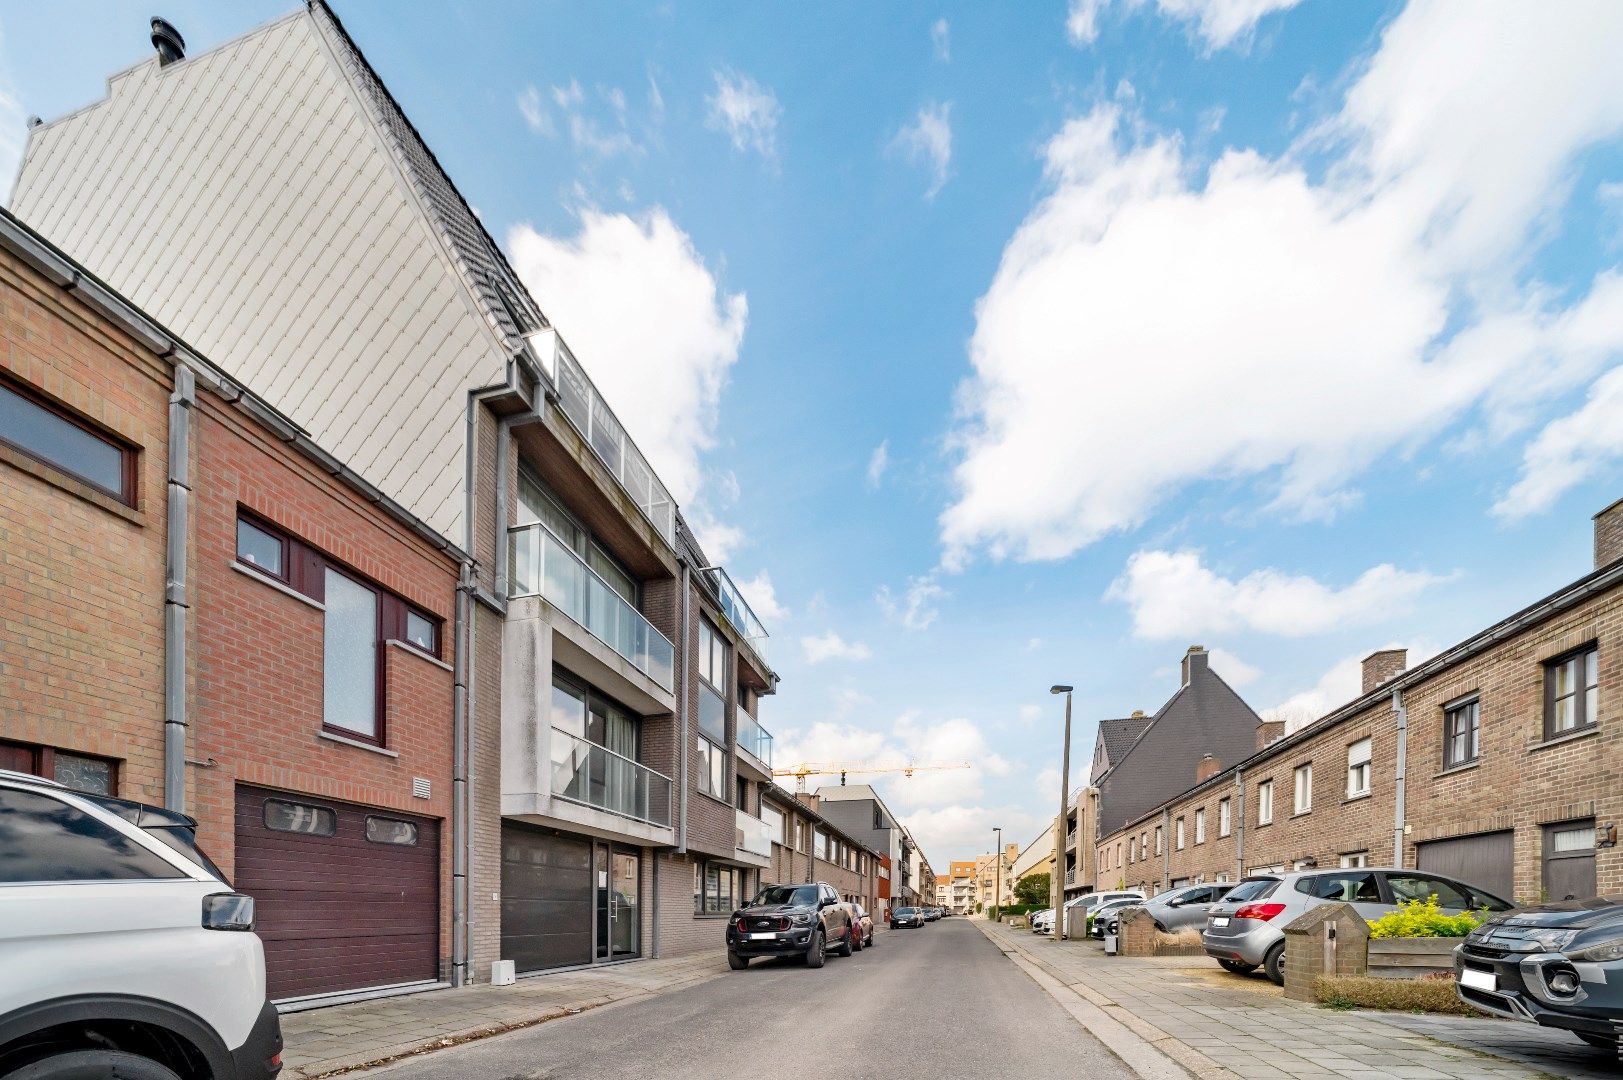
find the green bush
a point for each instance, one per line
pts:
(1429, 994)
(1423, 918)
(996, 913)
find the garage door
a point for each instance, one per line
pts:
(1485, 859)
(346, 896)
(546, 898)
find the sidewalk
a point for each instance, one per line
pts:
(1217, 1025)
(322, 1042)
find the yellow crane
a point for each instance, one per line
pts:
(800, 772)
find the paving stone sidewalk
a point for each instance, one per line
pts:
(1237, 1027)
(344, 1037)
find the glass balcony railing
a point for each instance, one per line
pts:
(754, 835)
(754, 738)
(738, 612)
(585, 772)
(543, 565)
(592, 417)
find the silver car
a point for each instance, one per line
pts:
(1079, 908)
(1185, 907)
(1246, 929)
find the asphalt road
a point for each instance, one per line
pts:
(939, 1002)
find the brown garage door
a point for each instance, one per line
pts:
(546, 898)
(1485, 859)
(346, 896)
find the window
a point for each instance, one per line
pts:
(81, 772)
(1347, 888)
(1158, 840)
(45, 839)
(774, 823)
(718, 889)
(1354, 858)
(284, 816)
(819, 844)
(382, 830)
(1177, 831)
(423, 632)
(1200, 826)
(49, 434)
(1224, 824)
(712, 654)
(261, 548)
(1571, 692)
(1265, 803)
(351, 659)
(1304, 788)
(712, 768)
(1358, 768)
(1461, 733)
(1450, 894)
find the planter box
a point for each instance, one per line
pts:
(1407, 958)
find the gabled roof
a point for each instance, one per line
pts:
(1120, 734)
(502, 298)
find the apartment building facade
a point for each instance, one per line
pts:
(961, 887)
(207, 610)
(1036, 857)
(807, 846)
(1495, 761)
(858, 810)
(607, 762)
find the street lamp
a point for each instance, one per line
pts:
(1056, 882)
(997, 893)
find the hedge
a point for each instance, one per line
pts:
(997, 913)
(1429, 993)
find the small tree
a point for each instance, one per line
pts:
(1033, 889)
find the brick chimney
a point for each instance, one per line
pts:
(1609, 535)
(1208, 768)
(1269, 731)
(1383, 665)
(1193, 661)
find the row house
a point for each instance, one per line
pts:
(808, 846)
(1498, 761)
(271, 202)
(858, 810)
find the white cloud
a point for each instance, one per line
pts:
(1219, 22)
(831, 646)
(919, 604)
(13, 134)
(1336, 687)
(1173, 594)
(1082, 20)
(1030, 713)
(646, 318)
(590, 135)
(941, 40)
(747, 112)
(928, 141)
(1033, 644)
(878, 462)
(964, 831)
(763, 598)
(534, 112)
(1569, 451)
(1236, 672)
(1257, 322)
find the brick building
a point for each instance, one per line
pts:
(807, 846)
(307, 714)
(1497, 761)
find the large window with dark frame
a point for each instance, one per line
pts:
(359, 620)
(717, 889)
(49, 433)
(1461, 733)
(1571, 692)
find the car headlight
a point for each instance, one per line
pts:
(801, 920)
(1550, 940)
(1604, 952)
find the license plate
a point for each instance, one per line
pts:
(1220, 920)
(1478, 980)
(762, 937)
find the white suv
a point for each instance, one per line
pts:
(123, 952)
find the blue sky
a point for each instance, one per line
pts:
(1000, 350)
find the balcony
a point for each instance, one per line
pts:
(754, 745)
(1070, 877)
(740, 614)
(754, 835)
(543, 565)
(596, 776)
(579, 400)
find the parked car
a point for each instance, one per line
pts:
(1559, 965)
(1185, 907)
(1077, 908)
(1043, 922)
(909, 917)
(931, 914)
(1100, 915)
(125, 951)
(1246, 929)
(790, 920)
(862, 927)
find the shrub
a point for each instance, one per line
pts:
(1423, 918)
(1430, 994)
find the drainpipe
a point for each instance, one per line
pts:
(682, 713)
(174, 592)
(1239, 824)
(1166, 844)
(460, 832)
(1403, 760)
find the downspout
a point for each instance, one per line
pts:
(460, 846)
(1403, 760)
(1239, 824)
(175, 610)
(1166, 845)
(682, 714)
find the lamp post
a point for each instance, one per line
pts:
(1057, 881)
(997, 892)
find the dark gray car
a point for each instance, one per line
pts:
(1185, 907)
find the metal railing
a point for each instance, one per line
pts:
(1070, 877)
(754, 835)
(754, 739)
(579, 399)
(738, 611)
(585, 772)
(543, 565)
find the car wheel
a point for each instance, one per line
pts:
(845, 948)
(816, 954)
(736, 962)
(1273, 964)
(94, 1065)
(1239, 967)
(856, 940)
(1605, 1042)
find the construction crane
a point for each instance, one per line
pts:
(800, 772)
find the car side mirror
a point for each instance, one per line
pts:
(1175, 903)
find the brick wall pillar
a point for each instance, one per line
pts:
(1137, 933)
(1332, 939)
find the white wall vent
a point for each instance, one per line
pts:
(421, 789)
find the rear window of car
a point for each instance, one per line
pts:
(1252, 889)
(43, 839)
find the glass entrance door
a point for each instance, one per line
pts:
(619, 907)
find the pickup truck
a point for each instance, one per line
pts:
(803, 920)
